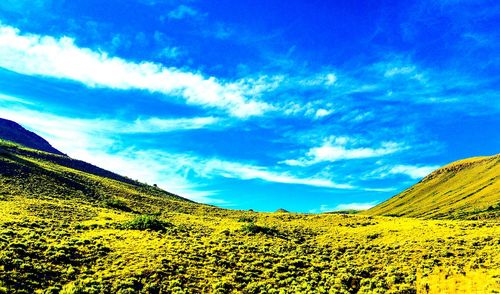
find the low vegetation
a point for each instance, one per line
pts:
(466, 189)
(66, 230)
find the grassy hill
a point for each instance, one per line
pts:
(466, 189)
(69, 227)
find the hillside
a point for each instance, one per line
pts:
(40, 175)
(70, 227)
(466, 189)
(12, 131)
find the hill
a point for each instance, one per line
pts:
(12, 131)
(70, 227)
(42, 175)
(466, 189)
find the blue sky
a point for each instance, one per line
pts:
(310, 106)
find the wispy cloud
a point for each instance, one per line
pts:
(182, 11)
(10, 98)
(250, 172)
(355, 205)
(389, 189)
(111, 126)
(336, 148)
(311, 110)
(412, 171)
(170, 53)
(221, 31)
(320, 79)
(158, 125)
(61, 58)
(344, 206)
(322, 112)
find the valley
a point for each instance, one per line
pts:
(70, 227)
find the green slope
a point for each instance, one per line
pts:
(465, 189)
(42, 175)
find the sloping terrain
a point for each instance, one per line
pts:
(12, 131)
(69, 227)
(38, 174)
(466, 189)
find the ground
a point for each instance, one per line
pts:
(50, 245)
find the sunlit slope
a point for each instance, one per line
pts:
(41, 175)
(465, 189)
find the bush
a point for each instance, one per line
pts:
(252, 229)
(116, 204)
(146, 222)
(246, 219)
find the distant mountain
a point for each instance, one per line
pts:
(465, 189)
(12, 131)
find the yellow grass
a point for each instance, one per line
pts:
(71, 231)
(468, 188)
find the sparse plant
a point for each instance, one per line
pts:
(146, 222)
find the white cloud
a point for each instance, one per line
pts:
(345, 206)
(394, 71)
(221, 31)
(182, 11)
(61, 58)
(330, 79)
(313, 110)
(158, 125)
(322, 112)
(321, 79)
(249, 172)
(42, 121)
(10, 98)
(389, 189)
(355, 206)
(399, 68)
(335, 149)
(170, 53)
(414, 172)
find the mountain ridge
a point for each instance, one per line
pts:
(28, 145)
(14, 132)
(467, 188)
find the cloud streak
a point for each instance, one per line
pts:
(182, 11)
(61, 58)
(335, 149)
(344, 206)
(412, 171)
(250, 172)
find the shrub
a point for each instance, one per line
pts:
(373, 236)
(246, 219)
(146, 222)
(116, 204)
(252, 229)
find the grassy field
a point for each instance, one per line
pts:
(68, 227)
(466, 189)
